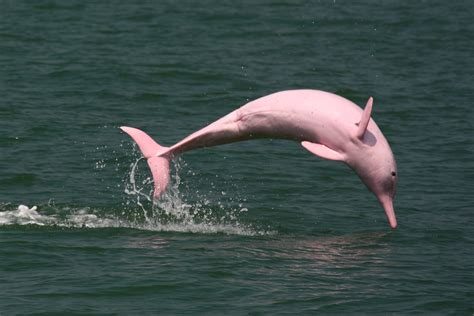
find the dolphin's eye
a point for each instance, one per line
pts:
(394, 173)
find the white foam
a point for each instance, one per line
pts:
(82, 218)
(23, 215)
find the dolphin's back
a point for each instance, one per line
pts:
(310, 115)
(300, 115)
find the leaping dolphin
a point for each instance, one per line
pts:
(327, 125)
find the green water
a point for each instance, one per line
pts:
(260, 227)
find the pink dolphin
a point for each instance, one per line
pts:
(327, 125)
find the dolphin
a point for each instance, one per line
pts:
(327, 125)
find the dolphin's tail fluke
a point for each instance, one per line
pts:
(156, 156)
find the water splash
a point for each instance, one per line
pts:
(172, 210)
(132, 189)
(171, 213)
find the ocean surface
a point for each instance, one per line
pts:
(260, 227)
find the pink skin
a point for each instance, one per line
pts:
(327, 125)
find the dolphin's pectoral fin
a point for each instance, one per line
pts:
(322, 151)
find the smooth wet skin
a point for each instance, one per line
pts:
(326, 124)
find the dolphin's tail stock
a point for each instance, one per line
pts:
(157, 157)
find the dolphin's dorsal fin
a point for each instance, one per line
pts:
(322, 151)
(365, 118)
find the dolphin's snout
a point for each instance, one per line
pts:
(388, 207)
